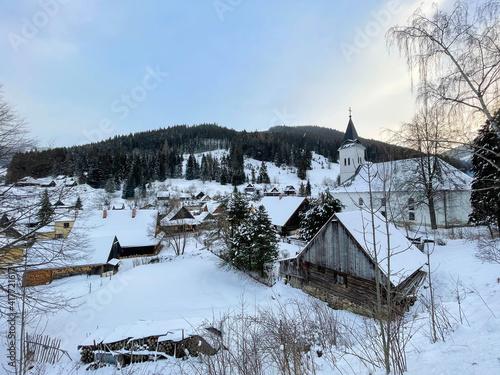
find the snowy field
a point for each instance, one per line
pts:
(189, 292)
(193, 290)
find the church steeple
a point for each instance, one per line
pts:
(351, 152)
(350, 134)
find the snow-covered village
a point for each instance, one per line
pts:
(256, 244)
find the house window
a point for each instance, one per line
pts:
(382, 202)
(66, 225)
(411, 215)
(360, 201)
(342, 280)
(411, 204)
(59, 235)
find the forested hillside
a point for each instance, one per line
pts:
(139, 158)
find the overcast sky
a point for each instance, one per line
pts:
(82, 71)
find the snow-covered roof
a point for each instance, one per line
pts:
(130, 231)
(400, 175)
(405, 258)
(212, 206)
(76, 250)
(280, 209)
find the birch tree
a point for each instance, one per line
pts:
(454, 57)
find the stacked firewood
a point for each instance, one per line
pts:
(192, 346)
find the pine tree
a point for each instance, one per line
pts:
(485, 197)
(254, 245)
(204, 169)
(78, 203)
(238, 209)
(308, 188)
(129, 189)
(321, 210)
(263, 177)
(46, 211)
(264, 241)
(302, 190)
(191, 168)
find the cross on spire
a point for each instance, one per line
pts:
(350, 112)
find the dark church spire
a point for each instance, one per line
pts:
(350, 133)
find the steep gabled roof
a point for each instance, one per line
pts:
(405, 258)
(280, 210)
(350, 134)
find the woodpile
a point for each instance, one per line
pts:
(130, 350)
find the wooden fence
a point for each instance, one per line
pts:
(43, 349)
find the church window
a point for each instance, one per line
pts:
(411, 204)
(348, 161)
(360, 201)
(382, 201)
(411, 215)
(345, 161)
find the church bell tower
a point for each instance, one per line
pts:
(351, 152)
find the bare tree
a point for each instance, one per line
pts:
(428, 171)
(19, 251)
(14, 135)
(454, 56)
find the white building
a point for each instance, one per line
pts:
(397, 189)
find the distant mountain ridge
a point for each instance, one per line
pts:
(157, 154)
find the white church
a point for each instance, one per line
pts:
(397, 189)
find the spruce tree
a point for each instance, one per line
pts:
(485, 197)
(191, 168)
(321, 210)
(46, 211)
(78, 203)
(308, 188)
(263, 177)
(264, 241)
(254, 243)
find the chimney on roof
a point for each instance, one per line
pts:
(104, 213)
(134, 211)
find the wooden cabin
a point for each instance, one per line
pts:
(273, 192)
(339, 264)
(284, 212)
(179, 220)
(290, 190)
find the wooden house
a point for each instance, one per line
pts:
(339, 264)
(179, 220)
(273, 192)
(284, 212)
(60, 228)
(95, 256)
(290, 190)
(11, 243)
(215, 208)
(249, 189)
(163, 195)
(93, 245)
(27, 181)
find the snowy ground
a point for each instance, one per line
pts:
(189, 291)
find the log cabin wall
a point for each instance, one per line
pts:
(334, 248)
(334, 268)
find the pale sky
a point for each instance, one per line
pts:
(82, 71)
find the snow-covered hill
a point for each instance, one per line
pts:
(189, 292)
